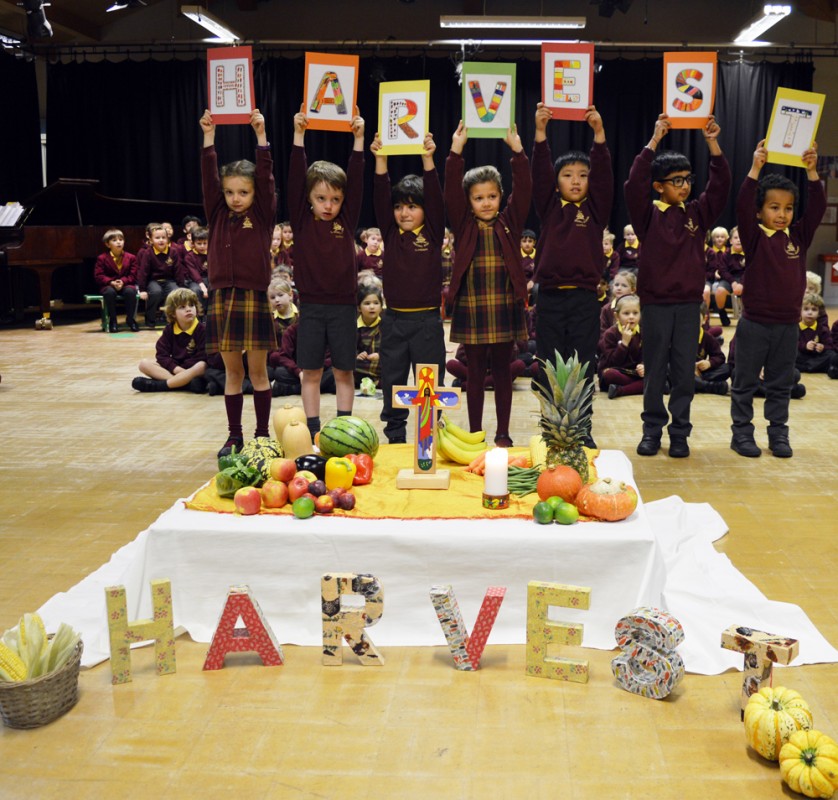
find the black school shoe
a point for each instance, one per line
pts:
(780, 447)
(132, 326)
(232, 441)
(113, 327)
(745, 446)
(149, 385)
(649, 445)
(678, 447)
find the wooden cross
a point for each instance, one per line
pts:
(425, 398)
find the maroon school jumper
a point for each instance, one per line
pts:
(105, 270)
(179, 348)
(413, 275)
(570, 247)
(324, 255)
(194, 269)
(373, 261)
(714, 261)
(239, 245)
(156, 266)
(773, 291)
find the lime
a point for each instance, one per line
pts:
(566, 514)
(554, 502)
(303, 507)
(542, 513)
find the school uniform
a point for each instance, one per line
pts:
(670, 284)
(618, 362)
(767, 333)
(570, 259)
(238, 259)
(194, 272)
(732, 270)
(283, 257)
(629, 256)
(364, 259)
(368, 340)
(286, 370)
(714, 263)
(411, 327)
(107, 269)
(811, 360)
(158, 275)
(718, 372)
(181, 348)
(607, 318)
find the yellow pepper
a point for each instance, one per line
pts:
(339, 473)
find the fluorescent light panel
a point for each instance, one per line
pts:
(771, 15)
(475, 21)
(214, 25)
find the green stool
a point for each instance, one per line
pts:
(97, 298)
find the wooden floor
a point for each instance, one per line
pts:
(88, 463)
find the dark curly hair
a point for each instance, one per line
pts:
(773, 180)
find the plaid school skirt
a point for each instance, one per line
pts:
(239, 319)
(485, 309)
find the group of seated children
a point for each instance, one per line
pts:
(160, 267)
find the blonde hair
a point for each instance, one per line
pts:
(112, 233)
(609, 237)
(812, 299)
(628, 229)
(366, 277)
(631, 278)
(815, 280)
(178, 299)
(719, 230)
(279, 286)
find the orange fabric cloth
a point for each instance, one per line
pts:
(382, 500)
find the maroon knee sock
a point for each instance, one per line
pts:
(233, 403)
(262, 407)
(502, 378)
(476, 355)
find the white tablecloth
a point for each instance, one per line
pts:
(282, 559)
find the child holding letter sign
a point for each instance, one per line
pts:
(240, 207)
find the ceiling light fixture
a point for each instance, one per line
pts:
(771, 15)
(476, 21)
(121, 4)
(214, 25)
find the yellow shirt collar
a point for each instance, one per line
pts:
(415, 232)
(661, 206)
(632, 246)
(572, 203)
(376, 253)
(292, 310)
(621, 329)
(609, 253)
(159, 252)
(190, 330)
(804, 326)
(769, 232)
(527, 255)
(362, 324)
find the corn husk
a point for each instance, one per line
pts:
(27, 652)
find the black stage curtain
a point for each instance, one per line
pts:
(134, 125)
(20, 133)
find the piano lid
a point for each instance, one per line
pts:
(76, 201)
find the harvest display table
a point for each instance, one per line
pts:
(626, 564)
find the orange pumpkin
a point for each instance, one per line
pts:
(559, 481)
(607, 500)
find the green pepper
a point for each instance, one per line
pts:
(232, 459)
(339, 473)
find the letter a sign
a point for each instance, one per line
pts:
(330, 91)
(230, 85)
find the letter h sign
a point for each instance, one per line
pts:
(230, 84)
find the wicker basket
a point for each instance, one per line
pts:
(30, 704)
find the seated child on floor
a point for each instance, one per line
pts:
(798, 390)
(623, 283)
(286, 373)
(715, 262)
(458, 367)
(194, 272)
(181, 349)
(620, 364)
(629, 250)
(368, 364)
(711, 370)
(815, 348)
(611, 258)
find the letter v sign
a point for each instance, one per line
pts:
(466, 649)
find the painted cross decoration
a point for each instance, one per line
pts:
(426, 398)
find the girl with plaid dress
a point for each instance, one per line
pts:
(240, 206)
(488, 284)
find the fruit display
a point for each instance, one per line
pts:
(259, 452)
(311, 462)
(522, 480)
(26, 652)
(566, 406)
(772, 716)
(607, 500)
(344, 435)
(248, 500)
(339, 473)
(809, 763)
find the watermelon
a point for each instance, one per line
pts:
(259, 452)
(345, 435)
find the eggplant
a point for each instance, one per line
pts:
(313, 463)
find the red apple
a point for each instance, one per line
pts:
(283, 469)
(297, 487)
(324, 504)
(274, 494)
(248, 500)
(347, 501)
(307, 474)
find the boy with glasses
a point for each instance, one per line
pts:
(670, 280)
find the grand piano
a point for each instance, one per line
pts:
(63, 226)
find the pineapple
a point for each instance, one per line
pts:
(565, 412)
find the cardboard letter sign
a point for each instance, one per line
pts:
(230, 85)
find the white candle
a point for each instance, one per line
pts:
(497, 470)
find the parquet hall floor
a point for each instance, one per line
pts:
(88, 463)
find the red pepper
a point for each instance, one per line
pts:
(363, 471)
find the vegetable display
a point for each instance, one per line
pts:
(363, 468)
(296, 439)
(285, 414)
(559, 481)
(26, 652)
(772, 716)
(259, 453)
(311, 462)
(344, 435)
(339, 473)
(522, 481)
(607, 500)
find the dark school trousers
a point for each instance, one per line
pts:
(407, 338)
(567, 320)
(670, 339)
(772, 347)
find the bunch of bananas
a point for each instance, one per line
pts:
(458, 445)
